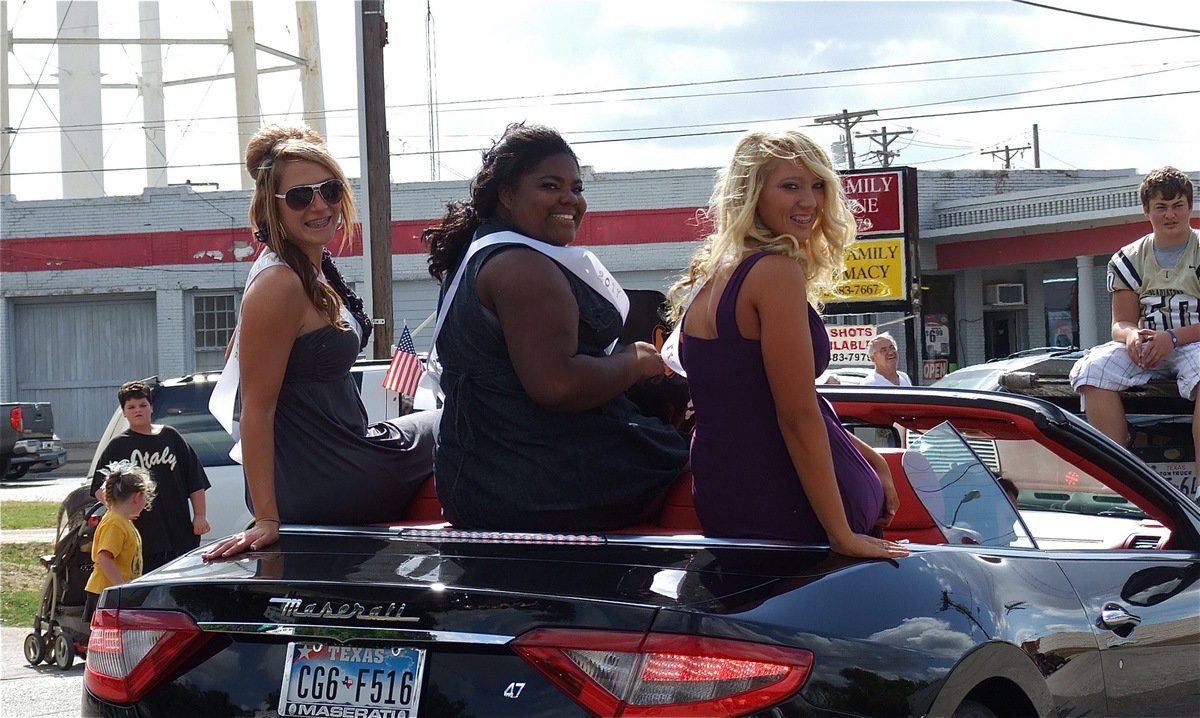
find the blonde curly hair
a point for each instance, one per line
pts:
(738, 229)
(123, 479)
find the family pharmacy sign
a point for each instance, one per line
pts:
(882, 262)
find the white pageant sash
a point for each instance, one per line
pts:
(670, 350)
(580, 262)
(224, 395)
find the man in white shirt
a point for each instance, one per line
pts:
(886, 358)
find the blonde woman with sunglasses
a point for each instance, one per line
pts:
(307, 451)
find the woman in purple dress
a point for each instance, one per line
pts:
(769, 456)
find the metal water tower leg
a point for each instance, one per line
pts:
(151, 87)
(245, 77)
(310, 72)
(82, 140)
(5, 122)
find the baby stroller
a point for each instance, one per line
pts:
(59, 631)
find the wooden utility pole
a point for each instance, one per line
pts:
(1008, 152)
(377, 174)
(1037, 149)
(846, 120)
(885, 140)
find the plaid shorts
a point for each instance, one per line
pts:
(1109, 366)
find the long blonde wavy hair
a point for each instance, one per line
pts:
(269, 147)
(733, 209)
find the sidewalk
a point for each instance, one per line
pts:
(27, 536)
(53, 486)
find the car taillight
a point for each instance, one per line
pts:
(16, 419)
(658, 674)
(131, 651)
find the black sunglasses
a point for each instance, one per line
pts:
(300, 196)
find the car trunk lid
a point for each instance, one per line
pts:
(457, 605)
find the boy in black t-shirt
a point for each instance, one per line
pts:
(168, 528)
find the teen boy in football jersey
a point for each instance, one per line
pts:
(1155, 287)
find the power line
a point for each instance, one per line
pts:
(577, 93)
(743, 123)
(41, 73)
(736, 130)
(1008, 152)
(1046, 105)
(865, 68)
(1039, 89)
(884, 139)
(763, 91)
(1105, 17)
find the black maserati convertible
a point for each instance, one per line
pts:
(1077, 598)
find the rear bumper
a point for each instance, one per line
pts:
(93, 707)
(39, 454)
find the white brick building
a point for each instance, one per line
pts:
(97, 291)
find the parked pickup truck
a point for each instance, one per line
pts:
(27, 439)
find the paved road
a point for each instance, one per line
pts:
(42, 691)
(50, 488)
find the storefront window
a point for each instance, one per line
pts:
(938, 327)
(1062, 311)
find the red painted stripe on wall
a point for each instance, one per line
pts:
(1043, 247)
(217, 246)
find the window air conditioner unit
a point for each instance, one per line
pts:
(1004, 294)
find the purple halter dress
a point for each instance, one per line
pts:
(745, 483)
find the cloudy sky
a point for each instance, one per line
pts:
(658, 84)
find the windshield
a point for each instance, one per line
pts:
(185, 407)
(984, 377)
(960, 493)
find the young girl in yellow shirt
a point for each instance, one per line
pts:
(117, 545)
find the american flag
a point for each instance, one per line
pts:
(405, 372)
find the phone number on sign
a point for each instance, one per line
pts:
(849, 358)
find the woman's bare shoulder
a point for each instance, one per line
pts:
(278, 282)
(774, 273)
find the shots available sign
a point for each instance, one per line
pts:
(848, 344)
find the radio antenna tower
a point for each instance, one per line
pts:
(431, 90)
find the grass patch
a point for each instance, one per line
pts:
(28, 514)
(21, 591)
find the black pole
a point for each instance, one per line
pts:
(378, 169)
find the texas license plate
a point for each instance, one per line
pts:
(1182, 474)
(351, 681)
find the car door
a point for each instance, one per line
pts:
(1144, 608)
